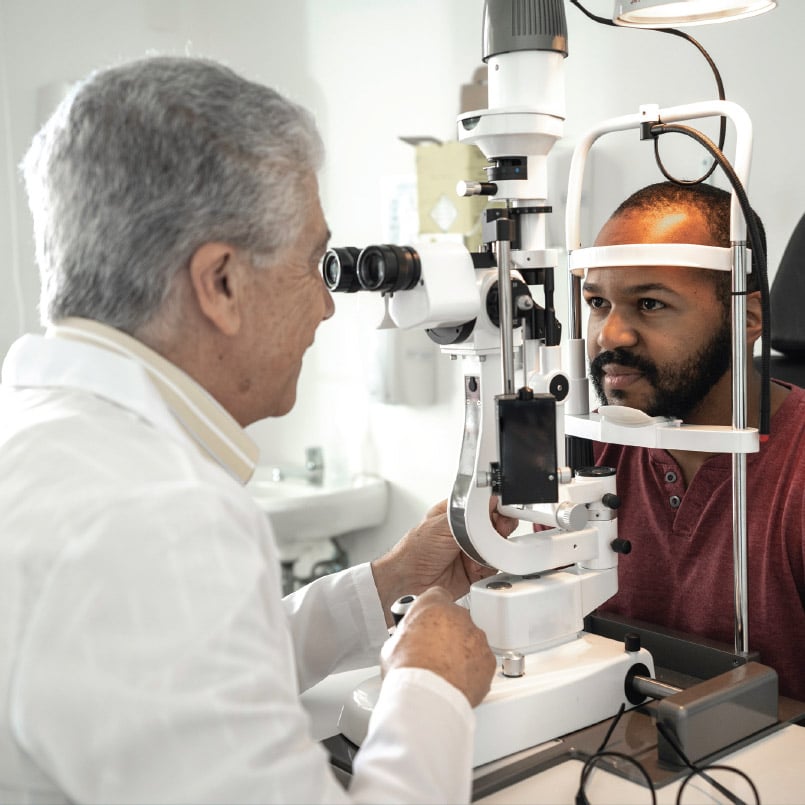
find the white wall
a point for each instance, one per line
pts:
(372, 70)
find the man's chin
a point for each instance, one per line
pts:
(612, 398)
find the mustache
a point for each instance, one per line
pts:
(622, 357)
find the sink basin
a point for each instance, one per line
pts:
(301, 512)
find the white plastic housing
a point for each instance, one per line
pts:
(528, 79)
(562, 598)
(447, 293)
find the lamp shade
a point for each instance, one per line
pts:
(673, 13)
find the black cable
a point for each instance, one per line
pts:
(758, 253)
(722, 126)
(701, 771)
(592, 762)
(722, 130)
(612, 726)
(593, 17)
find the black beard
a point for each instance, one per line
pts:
(678, 388)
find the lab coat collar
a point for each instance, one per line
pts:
(210, 426)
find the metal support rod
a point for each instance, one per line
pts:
(575, 307)
(739, 372)
(652, 688)
(505, 307)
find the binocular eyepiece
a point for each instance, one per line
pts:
(385, 268)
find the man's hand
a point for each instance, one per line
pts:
(428, 556)
(440, 636)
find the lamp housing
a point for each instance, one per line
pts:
(678, 13)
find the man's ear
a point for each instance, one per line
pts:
(215, 278)
(754, 317)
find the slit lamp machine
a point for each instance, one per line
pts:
(527, 416)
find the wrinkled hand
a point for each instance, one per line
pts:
(440, 636)
(428, 556)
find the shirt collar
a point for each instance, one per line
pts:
(209, 425)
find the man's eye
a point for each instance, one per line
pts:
(651, 304)
(596, 301)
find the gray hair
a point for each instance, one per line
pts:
(143, 163)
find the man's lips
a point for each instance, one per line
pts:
(620, 377)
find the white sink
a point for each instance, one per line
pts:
(302, 512)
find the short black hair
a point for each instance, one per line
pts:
(714, 205)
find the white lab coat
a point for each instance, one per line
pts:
(145, 652)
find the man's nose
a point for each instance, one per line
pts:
(616, 331)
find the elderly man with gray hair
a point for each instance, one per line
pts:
(147, 653)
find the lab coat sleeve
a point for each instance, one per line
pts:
(421, 724)
(157, 666)
(337, 624)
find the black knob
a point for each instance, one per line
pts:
(400, 607)
(595, 472)
(621, 546)
(559, 387)
(631, 641)
(611, 501)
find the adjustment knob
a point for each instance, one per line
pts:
(611, 501)
(512, 664)
(466, 188)
(621, 546)
(400, 607)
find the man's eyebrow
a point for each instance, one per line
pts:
(642, 288)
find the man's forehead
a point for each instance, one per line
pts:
(654, 277)
(671, 224)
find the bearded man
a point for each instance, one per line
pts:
(659, 341)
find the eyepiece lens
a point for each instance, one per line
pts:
(383, 268)
(372, 270)
(331, 269)
(388, 268)
(338, 269)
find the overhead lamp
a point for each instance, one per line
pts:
(673, 13)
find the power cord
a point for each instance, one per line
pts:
(758, 252)
(702, 771)
(722, 130)
(695, 771)
(601, 754)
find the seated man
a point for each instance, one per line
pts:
(659, 341)
(147, 654)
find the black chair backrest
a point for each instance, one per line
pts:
(787, 297)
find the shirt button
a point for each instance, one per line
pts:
(675, 501)
(670, 477)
